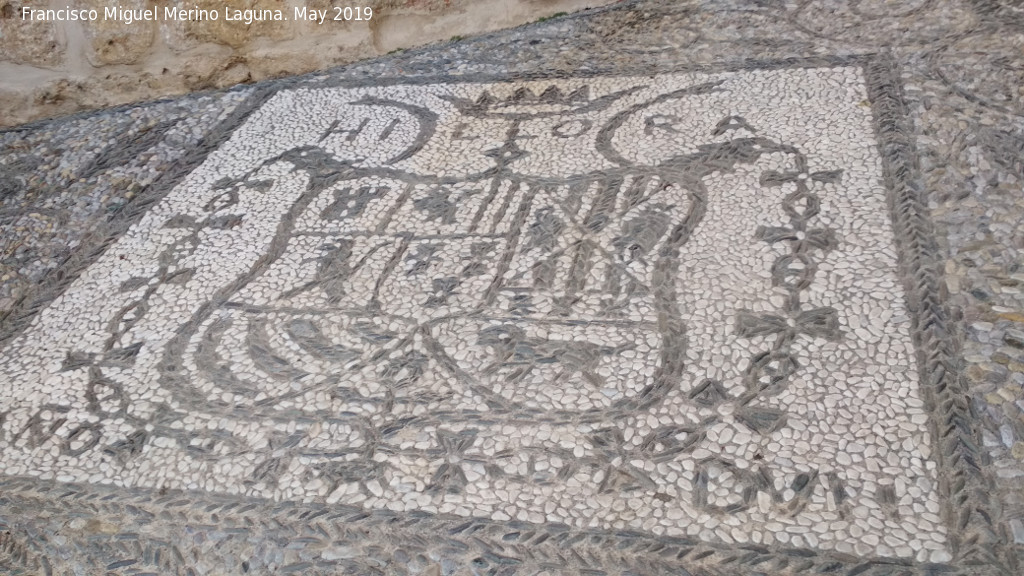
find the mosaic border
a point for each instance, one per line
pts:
(976, 543)
(964, 487)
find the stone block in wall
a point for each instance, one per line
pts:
(115, 42)
(26, 42)
(185, 35)
(337, 41)
(205, 66)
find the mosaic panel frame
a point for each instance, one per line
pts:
(950, 424)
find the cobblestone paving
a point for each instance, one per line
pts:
(705, 288)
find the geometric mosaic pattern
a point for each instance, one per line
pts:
(664, 304)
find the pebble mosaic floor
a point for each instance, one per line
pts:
(678, 320)
(664, 303)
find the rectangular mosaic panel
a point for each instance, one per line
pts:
(666, 304)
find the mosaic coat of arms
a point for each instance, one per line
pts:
(660, 303)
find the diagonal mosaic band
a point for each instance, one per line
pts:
(666, 304)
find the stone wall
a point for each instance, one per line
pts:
(51, 68)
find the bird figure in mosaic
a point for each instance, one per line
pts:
(512, 348)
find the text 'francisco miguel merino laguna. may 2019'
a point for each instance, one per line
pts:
(169, 13)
